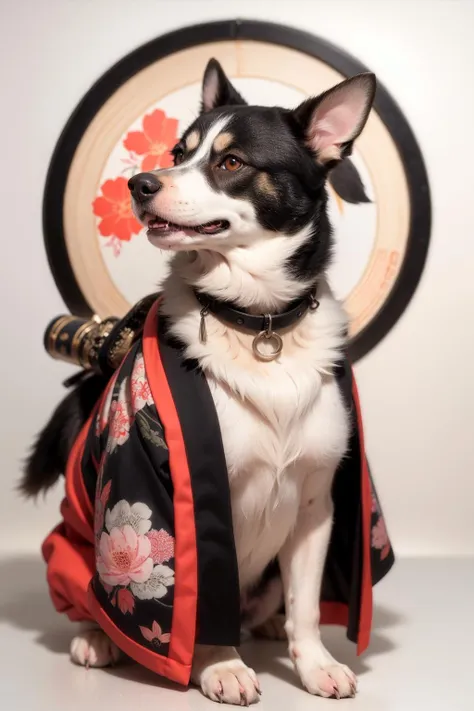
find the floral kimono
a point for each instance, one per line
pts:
(146, 545)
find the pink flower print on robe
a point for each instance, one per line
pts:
(124, 557)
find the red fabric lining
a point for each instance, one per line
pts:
(183, 627)
(71, 566)
(334, 613)
(69, 549)
(165, 666)
(76, 493)
(365, 616)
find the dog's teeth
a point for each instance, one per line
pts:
(158, 225)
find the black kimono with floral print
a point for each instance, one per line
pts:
(148, 476)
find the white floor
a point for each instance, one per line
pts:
(421, 657)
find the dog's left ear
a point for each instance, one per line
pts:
(217, 90)
(332, 121)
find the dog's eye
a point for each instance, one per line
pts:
(178, 155)
(231, 163)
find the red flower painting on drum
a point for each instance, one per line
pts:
(154, 143)
(114, 209)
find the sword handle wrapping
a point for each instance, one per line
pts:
(95, 344)
(78, 340)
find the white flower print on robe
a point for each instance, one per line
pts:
(157, 584)
(137, 516)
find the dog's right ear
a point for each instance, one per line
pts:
(332, 121)
(217, 90)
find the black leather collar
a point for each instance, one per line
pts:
(257, 323)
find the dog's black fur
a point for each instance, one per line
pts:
(295, 195)
(49, 454)
(285, 182)
(272, 142)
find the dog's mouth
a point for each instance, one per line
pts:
(159, 226)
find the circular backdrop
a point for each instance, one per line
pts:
(134, 114)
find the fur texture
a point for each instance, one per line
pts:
(49, 455)
(245, 210)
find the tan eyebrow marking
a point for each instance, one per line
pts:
(192, 141)
(265, 185)
(223, 141)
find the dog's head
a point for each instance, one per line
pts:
(246, 173)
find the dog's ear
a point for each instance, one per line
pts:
(217, 90)
(332, 121)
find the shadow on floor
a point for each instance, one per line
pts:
(25, 604)
(272, 658)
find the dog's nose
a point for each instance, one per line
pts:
(143, 186)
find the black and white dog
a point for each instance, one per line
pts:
(245, 210)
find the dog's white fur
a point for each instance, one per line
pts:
(284, 430)
(283, 423)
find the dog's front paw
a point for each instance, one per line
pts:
(319, 672)
(230, 682)
(223, 676)
(92, 648)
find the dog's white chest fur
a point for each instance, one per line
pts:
(275, 443)
(283, 423)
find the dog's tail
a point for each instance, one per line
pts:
(49, 454)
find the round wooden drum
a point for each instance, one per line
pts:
(134, 114)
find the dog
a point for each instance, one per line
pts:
(245, 210)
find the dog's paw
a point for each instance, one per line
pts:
(333, 680)
(320, 674)
(230, 682)
(92, 648)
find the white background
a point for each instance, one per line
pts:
(417, 386)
